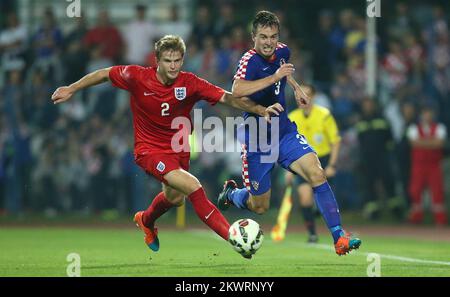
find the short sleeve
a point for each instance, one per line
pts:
(441, 132)
(206, 90)
(284, 51)
(124, 76)
(412, 133)
(246, 68)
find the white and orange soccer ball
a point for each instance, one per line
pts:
(246, 237)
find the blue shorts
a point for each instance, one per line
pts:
(256, 174)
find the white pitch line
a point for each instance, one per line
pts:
(392, 257)
(330, 248)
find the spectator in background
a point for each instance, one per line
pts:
(208, 67)
(226, 59)
(436, 37)
(75, 60)
(39, 114)
(402, 23)
(203, 26)
(194, 62)
(95, 103)
(343, 92)
(403, 148)
(356, 36)
(376, 145)
(437, 25)
(415, 55)
(44, 191)
(139, 35)
(75, 56)
(47, 43)
(13, 44)
(427, 141)
(322, 58)
(356, 70)
(338, 37)
(106, 37)
(441, 74)
(239, 42)
(225, 22)
(78, 31)
(76, 173)
(15, 138)
(175, 24)
(150, 59)
(396, 67)
(3, 135)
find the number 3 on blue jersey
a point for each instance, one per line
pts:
(277, 87)
(301, 139)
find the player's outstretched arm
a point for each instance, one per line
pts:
(246, 104)
(242, 87)
(300, 96)
(94, 78)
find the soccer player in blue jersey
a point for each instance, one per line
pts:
(262, 75)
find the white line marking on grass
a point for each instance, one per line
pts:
(392, 257)
(331, 248)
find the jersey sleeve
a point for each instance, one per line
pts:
(284, 51)
(246, 68)
(206, 90)
(124, 76)
(412, 133)
(441, 132)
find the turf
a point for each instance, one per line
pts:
(121, 252)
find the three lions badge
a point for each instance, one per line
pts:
(180, 93)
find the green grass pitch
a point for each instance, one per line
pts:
(122, 252)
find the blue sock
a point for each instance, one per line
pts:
(239, 197)
(325, 201)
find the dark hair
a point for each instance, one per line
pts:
(265, 18)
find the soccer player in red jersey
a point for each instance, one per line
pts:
(158, 96)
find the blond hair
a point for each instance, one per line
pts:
(169, 43)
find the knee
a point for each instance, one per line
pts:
(190, 186)
(317, 176)
(176, 199)
(179, 201)
(194, 185)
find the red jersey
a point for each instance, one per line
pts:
(428, 155)
(108, 38)
(155, 105)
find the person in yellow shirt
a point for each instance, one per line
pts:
(319, 127)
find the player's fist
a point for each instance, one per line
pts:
(284, 70)
(271, 110)
(62, 94)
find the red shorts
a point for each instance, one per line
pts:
(159, 164)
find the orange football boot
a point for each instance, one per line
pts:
(346, 243)
(151, 236)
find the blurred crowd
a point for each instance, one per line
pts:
(78, 156)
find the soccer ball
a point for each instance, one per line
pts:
(246, 237)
